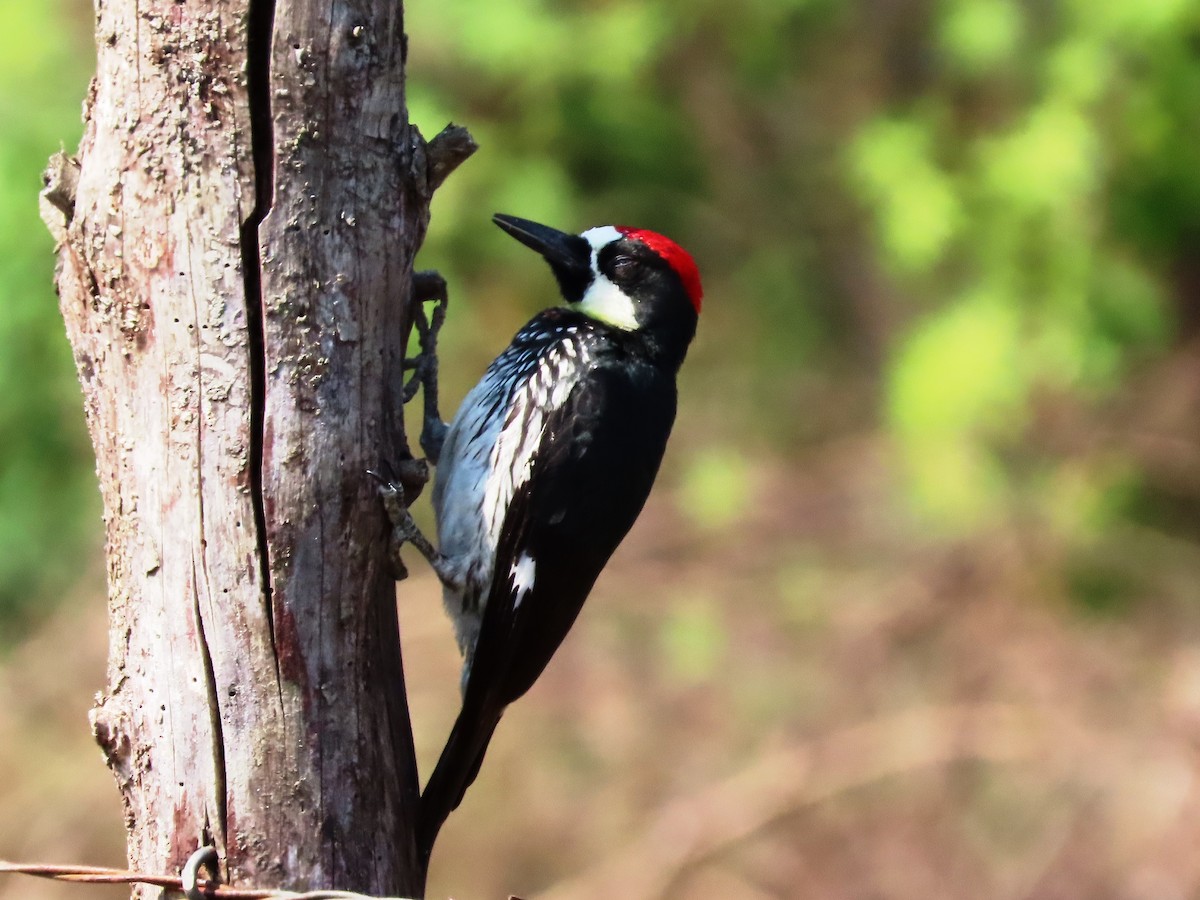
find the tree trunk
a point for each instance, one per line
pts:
(234, 272)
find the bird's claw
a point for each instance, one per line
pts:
(427, 287)
(398, 487)
(433, 436)
(392, 495)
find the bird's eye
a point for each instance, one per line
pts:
(623, 266)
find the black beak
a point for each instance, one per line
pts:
(569, 255)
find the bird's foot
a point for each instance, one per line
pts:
(428, 287)
(395, 487)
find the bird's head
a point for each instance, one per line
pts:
(629, 278)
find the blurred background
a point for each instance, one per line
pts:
(915, 608)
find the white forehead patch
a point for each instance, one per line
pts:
(600, 236)
(603, 300)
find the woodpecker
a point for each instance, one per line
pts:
(546, 466)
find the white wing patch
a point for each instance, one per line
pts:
(523, 572)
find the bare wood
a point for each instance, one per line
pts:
(232, 267)
(448, 149)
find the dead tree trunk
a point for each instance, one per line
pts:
(234, 267)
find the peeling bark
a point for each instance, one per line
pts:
(236, 243)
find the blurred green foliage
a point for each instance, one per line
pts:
(692, 639)
(48, 504)
(963, 207)
(1002, 210)
(717, 488)
(931, 217)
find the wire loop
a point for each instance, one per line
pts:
(206, 857)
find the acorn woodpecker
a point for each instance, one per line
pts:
(546, 466)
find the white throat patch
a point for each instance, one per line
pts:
(603, 300)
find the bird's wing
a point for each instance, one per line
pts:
(567, 511)
(491, 442)
(594, 462)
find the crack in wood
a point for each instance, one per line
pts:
(260, 28)
(219, 829)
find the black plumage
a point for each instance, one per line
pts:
(590, 476)
(547, 466)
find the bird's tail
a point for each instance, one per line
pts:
(455, 771)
